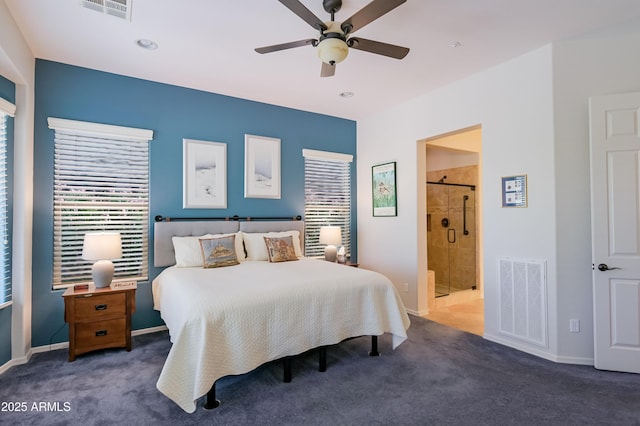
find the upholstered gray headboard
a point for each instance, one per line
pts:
(164, 254)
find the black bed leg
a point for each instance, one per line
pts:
(287, 369)
(211, 401)
(322, 359)
(374, 346)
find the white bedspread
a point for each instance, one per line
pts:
(231, 320)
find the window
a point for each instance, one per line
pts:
(101, 183)
(7, 111)
(327, 197)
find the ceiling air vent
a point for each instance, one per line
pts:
(118, 8)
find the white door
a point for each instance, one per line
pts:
(615, 225)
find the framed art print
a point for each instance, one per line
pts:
(383, 188)
(204, 175)
(261, 167)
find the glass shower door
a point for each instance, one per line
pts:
(451, 236)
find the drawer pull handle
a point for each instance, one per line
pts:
(101, 333)
(101, 307)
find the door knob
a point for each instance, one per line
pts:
(603, 267)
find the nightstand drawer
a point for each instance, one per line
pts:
(102, 334)
(100, 306)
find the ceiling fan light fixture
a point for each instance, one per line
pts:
(332, 50)
(335, 36)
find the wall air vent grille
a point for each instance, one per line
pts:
(117, 8)
(523, 299)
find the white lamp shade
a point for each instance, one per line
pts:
(332, 50)
(330, 235)
(102, 246)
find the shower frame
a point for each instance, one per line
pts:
(465, 277)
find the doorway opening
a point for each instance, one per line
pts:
(450, 236)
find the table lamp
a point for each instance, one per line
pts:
(331, 236)
(102, 247)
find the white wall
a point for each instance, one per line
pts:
(601, 63)
(513, 103)
(18, 65)
(438, 159)
(534, 116)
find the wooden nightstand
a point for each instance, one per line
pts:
(98, 318)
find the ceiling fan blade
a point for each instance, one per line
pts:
(369, 13)
(327, 70)
(390, 50)
(283, 46)
(299, 9)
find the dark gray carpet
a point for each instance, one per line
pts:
(439, 376)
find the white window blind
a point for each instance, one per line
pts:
(327, 197)
(5, 236)
(101, 183)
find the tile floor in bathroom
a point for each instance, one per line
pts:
(466, 315)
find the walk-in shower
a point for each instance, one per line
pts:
(451, 236)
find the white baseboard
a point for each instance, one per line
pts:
(418, 313)
(64, 345)
(575, 360)
(538, 352)
(149, 330)
(16, 361)
(51, 347)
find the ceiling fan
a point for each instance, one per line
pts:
(335, 37)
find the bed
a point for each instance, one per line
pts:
(230, 320)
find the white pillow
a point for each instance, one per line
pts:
(188, 252)
(257, 249)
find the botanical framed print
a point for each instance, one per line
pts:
(261, 167)
(204, 175)
(383, 188)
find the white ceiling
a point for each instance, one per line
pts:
(208, 44)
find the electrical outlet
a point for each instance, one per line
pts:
(405, 287)
(574, 325)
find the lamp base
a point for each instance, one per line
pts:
(330, 253)
(102, 273)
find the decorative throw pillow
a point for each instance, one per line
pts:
(280, 249)
(255, 246)
(218, 252)
(188, 253)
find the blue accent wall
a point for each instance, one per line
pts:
(7, 92)
(173, 113)
(5, 335)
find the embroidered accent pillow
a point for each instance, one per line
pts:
(188, 252)
(280, 249)
(255, 246)
(218, 252)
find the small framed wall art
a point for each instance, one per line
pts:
(383, 188)
(204, 175)
(261, 167)
(514, 191)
